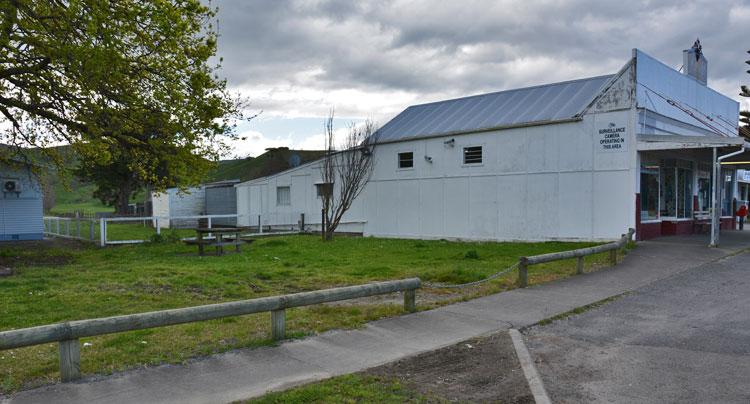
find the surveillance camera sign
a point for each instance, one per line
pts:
(612, 137)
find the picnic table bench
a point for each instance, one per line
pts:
(224, 236)
(701, 221)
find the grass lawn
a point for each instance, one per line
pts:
(90, 207)
(354, 388)
(70, 281)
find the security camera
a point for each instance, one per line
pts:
(428, 159)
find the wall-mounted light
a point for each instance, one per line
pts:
(428, 159)
(450, 143)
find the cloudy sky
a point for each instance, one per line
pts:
(295, 60)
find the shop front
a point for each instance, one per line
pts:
(676, 186)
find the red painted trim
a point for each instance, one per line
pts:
(638, 224)
(649, 231)
(673, 228)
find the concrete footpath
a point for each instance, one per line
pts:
(247, 373)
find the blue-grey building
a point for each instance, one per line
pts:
(21, 211)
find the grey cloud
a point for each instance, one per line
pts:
(421, 47)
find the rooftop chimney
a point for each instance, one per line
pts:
(694, 63)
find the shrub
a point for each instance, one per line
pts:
(471, 255)
(157, 238)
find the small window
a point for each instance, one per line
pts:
(324, 188)
(406, 160)
(283, 196)
(473, 155)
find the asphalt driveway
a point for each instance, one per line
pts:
(683, 339)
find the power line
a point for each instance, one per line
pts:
(687, 111)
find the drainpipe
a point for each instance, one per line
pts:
(716, 214)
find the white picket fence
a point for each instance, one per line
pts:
(97, 230)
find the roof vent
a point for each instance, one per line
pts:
(694, 63)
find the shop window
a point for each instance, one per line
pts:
(406, 160)
(649, 192)
(283, 196)
(704, 186)
(676, 189)
(704, 194)
(727, 192)
(473, 155)
(684, 193)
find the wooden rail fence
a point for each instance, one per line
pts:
(68, 334)
(524, 262)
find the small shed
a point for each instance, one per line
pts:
(174, 202)
(221, 199)
(216, 198)
(21, 210)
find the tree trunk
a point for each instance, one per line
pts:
(123, 200)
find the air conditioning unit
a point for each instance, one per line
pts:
(11, 185)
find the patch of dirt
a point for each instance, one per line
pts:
(50, 252)
(482, 369)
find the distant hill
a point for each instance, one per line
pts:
(271, 162)
(80, 195)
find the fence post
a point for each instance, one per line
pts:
(58, 226)
(613, 257)
(78, 227)
(410, 300)
(523, 274)
(278, 324)
(70, 360)
(579, 266)
(91, 230)
(260, 225)
(67, 227)
(103, 232)
(156, 223)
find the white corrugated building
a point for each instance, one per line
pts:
(578, 160)
(21, 210)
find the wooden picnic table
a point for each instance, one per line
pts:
(221, 239)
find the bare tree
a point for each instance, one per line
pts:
(345, 171)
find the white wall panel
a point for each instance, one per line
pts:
(300, 193)
(431, 212)
(575, 147)
(243, 205)
(483, 206)
(386, 215)
(542, 148)
(408, 207)
(457, 207)
(541, 200)
(511, 200)
(607, 160)
(575, 205)
(511, 151)
(613, 203)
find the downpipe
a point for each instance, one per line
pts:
(716, 216)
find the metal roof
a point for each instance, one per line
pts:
(538, 104)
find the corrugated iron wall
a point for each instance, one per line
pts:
(221, 201)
